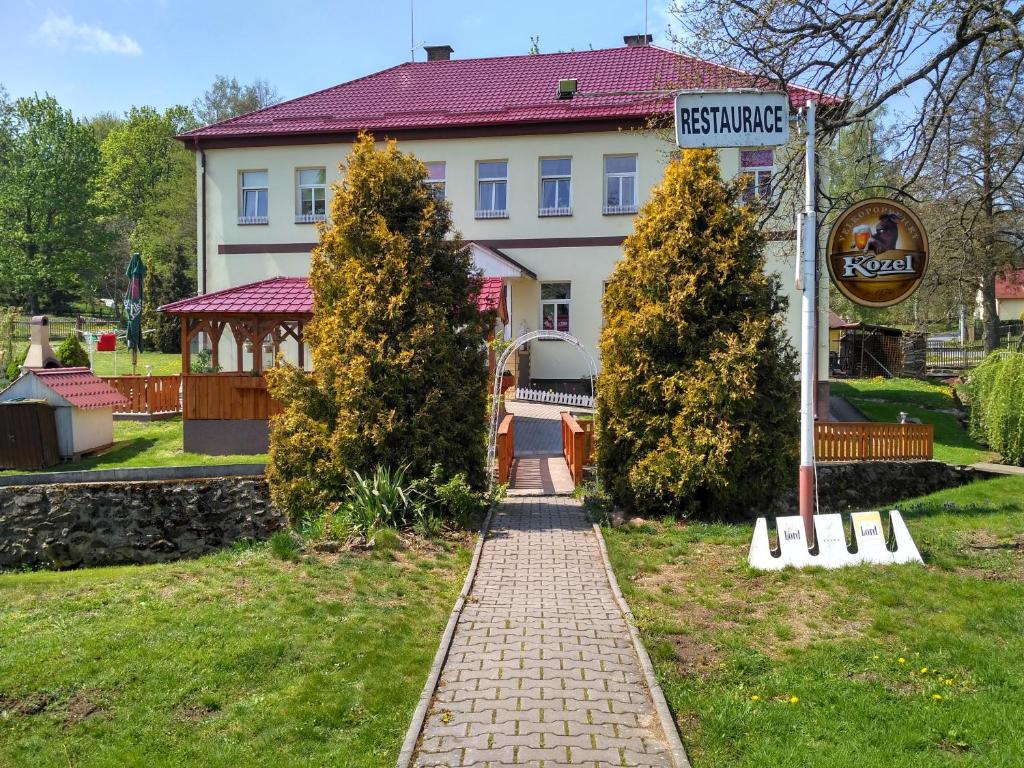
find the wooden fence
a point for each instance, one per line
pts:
(871, 441)
(577, 445)
(227, 396)
(505, 448)
(148, 394)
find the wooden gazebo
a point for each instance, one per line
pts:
(226, 410)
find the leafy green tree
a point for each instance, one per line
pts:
(179, 284)
(697, 400)
(49, 235)
(397, 340)
(226, 98)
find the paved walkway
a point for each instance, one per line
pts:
(541, 669)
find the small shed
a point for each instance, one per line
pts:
(862, 350)
(83, 406)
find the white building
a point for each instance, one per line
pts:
(544, 176)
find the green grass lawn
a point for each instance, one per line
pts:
(163, 364)
(841, 669)
(236, 659)
(883, 399)
(148, 444)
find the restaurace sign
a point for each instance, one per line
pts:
(731, 119)
(877, 253)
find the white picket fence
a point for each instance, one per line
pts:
(559, 398)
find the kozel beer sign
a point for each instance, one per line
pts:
(877, 253)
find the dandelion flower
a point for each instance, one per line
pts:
(901, 660)
(937, 696)
(794, 699)
(947, 681)
(755, 697)
(924, 670)
(876, 657)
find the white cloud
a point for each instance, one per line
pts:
(64, 32)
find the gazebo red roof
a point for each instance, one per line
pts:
(615, 84)
(286, 296)
(80, 387)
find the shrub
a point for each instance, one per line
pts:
(996, 390)
(697, 410)
(72, 354)
(457, 501)
(202, 362)
(14, 367)
(382, 499)
(397, 338)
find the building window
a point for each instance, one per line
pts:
(756, 166)
(436, 179)
(554, 306)
(253, 202)
(620, 184)
(311, 195)
(492, 189)
(555, 187)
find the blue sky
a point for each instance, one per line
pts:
(107, 55)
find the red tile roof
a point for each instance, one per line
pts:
(1010, 285)
(80, 387)
(274, 296)
(490, 294)
(504, 90)
(286, 296)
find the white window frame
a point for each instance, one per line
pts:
(613, 210)
(491, 213)
(309, 218)
(760, 175)
(566, 303)
(557, 210)
(242, 189)
(438, 187)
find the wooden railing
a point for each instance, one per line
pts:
(505, 448)
(148, 394)
(576, 446)
(871, 441)
(227, 396)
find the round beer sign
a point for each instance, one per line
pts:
(877, 253)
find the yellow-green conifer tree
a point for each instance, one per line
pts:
(697, 400)
(397, 341)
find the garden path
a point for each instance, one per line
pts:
(542, 668)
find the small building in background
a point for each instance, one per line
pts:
(83, 406)
(863, 350)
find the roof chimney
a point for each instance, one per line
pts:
(638, 41)
(438, 52)
(40, 354)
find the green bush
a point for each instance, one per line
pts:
(202, 362)
(397, 337)
(382, 499)
(996, 390)
(14, 367)
(697, 409)
(72, 354)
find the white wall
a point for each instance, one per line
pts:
(586, 267)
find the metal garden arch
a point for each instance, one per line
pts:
(492, 441)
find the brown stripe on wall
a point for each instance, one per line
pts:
(512, 242)
(266, 248)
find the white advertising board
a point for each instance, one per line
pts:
(731, 119)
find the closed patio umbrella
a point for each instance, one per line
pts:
(136, 274)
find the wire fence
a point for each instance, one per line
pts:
(61, 327)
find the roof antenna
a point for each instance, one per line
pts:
(412, 31)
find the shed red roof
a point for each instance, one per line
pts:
(80, 387)
(1010, 285)
(504, 90)
(286, 296)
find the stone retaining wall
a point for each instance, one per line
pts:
(69, 526)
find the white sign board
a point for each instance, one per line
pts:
(732, 119)
(870, 544)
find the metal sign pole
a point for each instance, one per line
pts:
(808, 336)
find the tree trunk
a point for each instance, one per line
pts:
(990, 316)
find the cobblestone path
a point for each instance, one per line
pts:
(541, 669)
